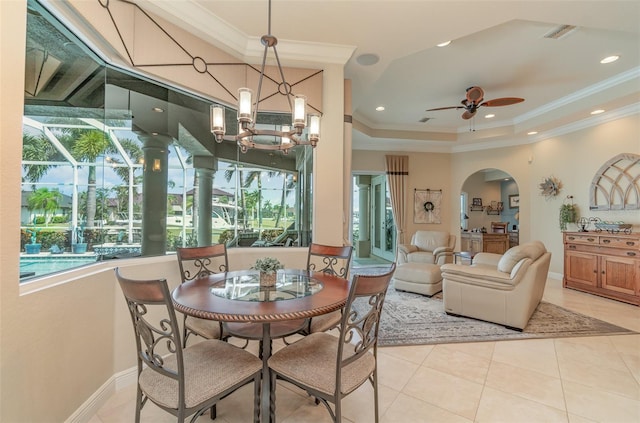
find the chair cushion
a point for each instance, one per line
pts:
(531, 250)
(430, 240)
(312, 361)
(208, 329)
(211, 367)
(327, 321)
(421, 257)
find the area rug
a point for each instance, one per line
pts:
(412, 319)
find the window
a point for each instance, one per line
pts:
(114, 165)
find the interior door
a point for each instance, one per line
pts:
(383, 230)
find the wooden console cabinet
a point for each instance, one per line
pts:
(478, 242)
(603, 264)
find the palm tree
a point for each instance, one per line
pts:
(45, 200)
(288, 185)
(85, 145)
(88, 147)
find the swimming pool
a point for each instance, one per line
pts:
(46, 264)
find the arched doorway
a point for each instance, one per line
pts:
(490, 195)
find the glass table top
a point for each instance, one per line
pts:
(246, 287)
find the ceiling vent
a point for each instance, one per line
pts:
(560, 32)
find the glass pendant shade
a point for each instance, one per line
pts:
(244, 105)
(314, 128)
(299, 111)
(217, 122)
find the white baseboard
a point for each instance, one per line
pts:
(99, 398)
(555, 275)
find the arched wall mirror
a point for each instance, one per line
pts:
(489, 206)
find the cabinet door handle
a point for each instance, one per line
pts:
(606, 241)
(631, 243)
(591, 239)
(572, 247)
(571, 238)
(595, 271)
(631, 253)
(603, 272)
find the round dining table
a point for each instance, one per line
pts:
(238, 296)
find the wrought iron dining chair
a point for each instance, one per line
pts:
(182, 381)
(335, 261)
(329, 367)
(197, 262)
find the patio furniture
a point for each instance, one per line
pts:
(197, 262)
(329, 367)
(419, 278)
(433, 247)
(503, 289)
(182, 381)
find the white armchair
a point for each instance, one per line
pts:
(503, 289)
(433, 247)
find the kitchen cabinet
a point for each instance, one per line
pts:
(477, 242)
(604, 264)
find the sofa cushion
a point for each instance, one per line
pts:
(430, 240)
(531, 250)
(421, 257)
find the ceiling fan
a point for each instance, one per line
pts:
(474, 100)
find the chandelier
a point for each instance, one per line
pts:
(288, 136)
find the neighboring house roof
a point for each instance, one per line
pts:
(64, 203)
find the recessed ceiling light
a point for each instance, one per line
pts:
(368, 59)
(609, 59)
(158, 110)
(597, 112)
(532, 133)
(446, 43)
(154, 133)
(379, 108)
(489, 116)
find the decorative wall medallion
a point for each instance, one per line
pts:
(550, 187)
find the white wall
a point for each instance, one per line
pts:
(574, 159)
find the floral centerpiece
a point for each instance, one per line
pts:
(268, 268)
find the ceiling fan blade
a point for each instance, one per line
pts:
(504, 101)
(468, 115)
(445, 108)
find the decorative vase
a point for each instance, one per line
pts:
(32, 248)
(267, 279)
(79, 248)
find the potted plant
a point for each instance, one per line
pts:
(568, 214)
(80, 247)
(268, 268)
(34, 247)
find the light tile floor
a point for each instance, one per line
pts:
(576, 380)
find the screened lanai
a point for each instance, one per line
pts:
(128, 166)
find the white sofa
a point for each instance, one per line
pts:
(432, 247)
(503, 289)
